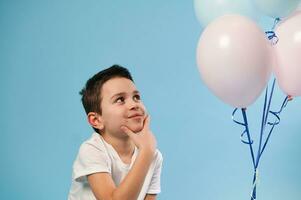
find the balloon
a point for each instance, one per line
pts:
(277, 8)
(288, 55)
(208, 10)
(234, 58)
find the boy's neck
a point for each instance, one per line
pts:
(123, 146)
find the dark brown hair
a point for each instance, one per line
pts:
(91, 93)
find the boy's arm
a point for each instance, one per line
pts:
(102, 184)
(104, 188)
(151, 197)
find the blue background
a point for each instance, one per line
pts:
(48, 49)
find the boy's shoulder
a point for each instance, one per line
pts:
(158, 154)
(95, 138)
(94, 143)
(92, 157)
(158, 158)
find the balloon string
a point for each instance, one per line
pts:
(246, 132)
(249, 141)
(271, 34)
(276, 21)
(276, 122)
(266, 108)
(255, 183)
(263, 122)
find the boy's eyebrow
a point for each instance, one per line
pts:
(123, 93)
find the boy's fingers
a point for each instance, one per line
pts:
(146, 123)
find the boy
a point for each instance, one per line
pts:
(120, 160)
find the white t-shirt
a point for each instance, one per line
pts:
(96, 155)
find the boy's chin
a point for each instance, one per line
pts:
(135, 127)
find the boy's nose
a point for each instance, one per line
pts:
(133, 105)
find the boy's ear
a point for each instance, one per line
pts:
(95, 120)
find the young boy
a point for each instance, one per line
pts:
(120, 160)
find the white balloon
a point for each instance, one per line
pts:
(234, 58)
(288, 55)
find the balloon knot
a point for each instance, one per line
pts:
(289, 98)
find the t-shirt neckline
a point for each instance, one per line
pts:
(115, 154)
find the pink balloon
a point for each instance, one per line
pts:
(288, 55)
(234, 58)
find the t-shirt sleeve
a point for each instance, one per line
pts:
(90, 159)
(155, 184)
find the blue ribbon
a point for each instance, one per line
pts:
(271, 34)
(264, 122)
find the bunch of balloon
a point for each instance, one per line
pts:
(236, 59)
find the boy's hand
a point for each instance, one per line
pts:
(144, 140)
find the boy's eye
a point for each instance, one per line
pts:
(137, 97)
(119, 100)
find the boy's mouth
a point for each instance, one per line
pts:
(136, 115)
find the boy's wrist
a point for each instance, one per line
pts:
(148, 152)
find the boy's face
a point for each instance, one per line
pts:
(121, 105)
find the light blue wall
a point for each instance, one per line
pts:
(48, 49)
